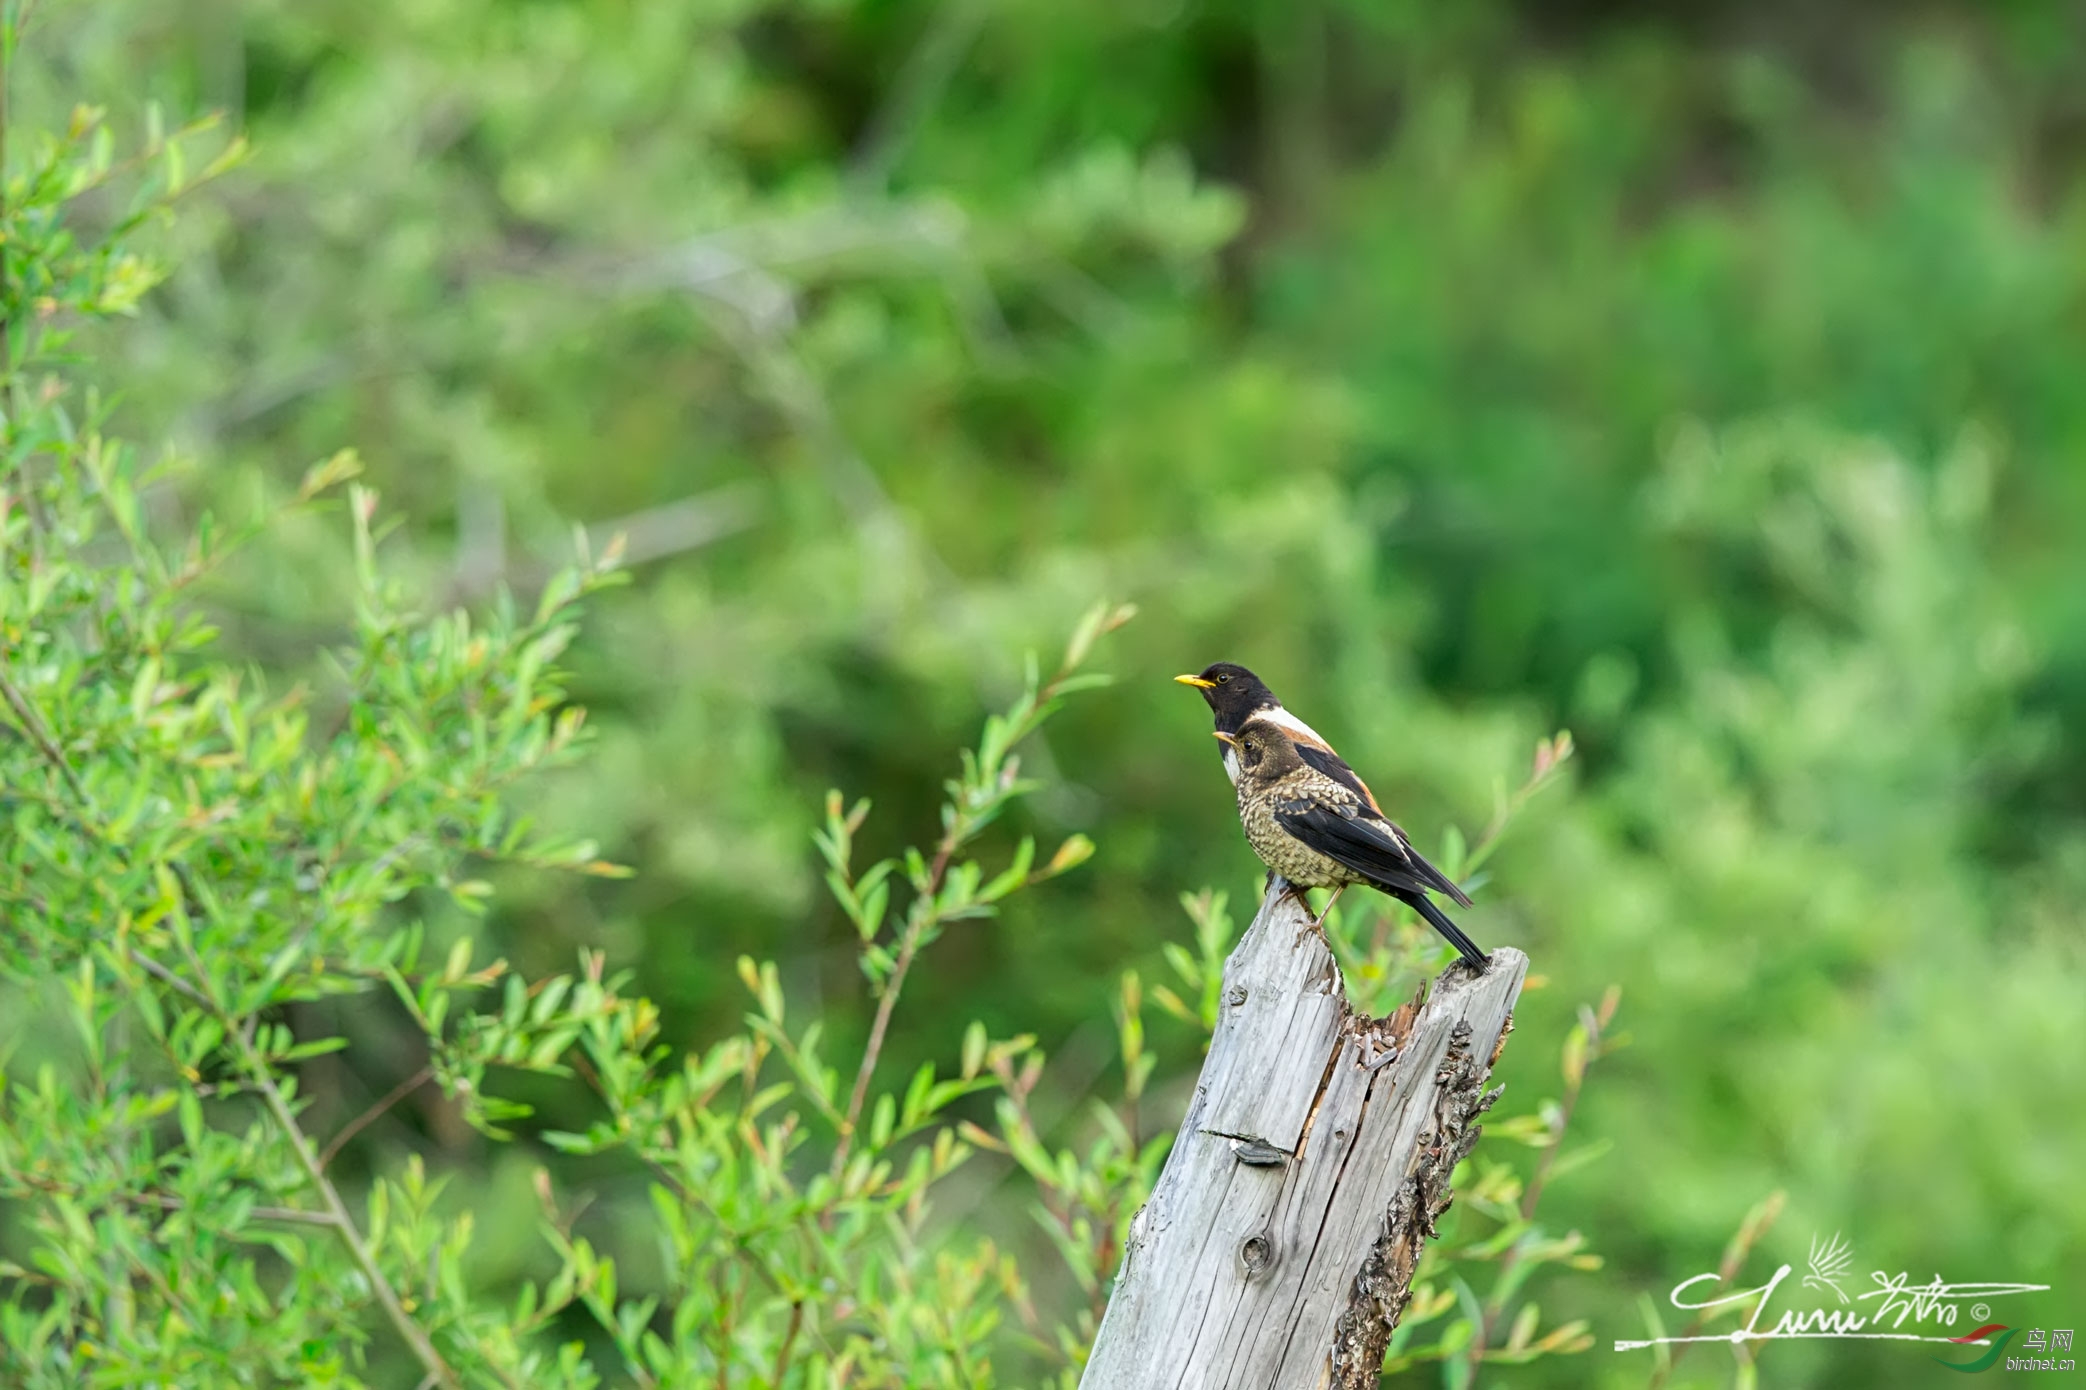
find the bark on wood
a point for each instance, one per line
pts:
(1278, 1247)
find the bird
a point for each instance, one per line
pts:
(1235, 695)
(1307, 814)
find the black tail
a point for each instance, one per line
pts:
(1439, 920)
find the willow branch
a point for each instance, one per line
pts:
(907, 948)
(295, 1216)
(360, 1122)
(336, 1211)
(411, 1332)
(32, 724)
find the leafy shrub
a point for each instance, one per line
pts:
(193, 857)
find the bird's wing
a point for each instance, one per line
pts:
(1365, 843)
(1325, 760)
(1317, 754)
(1321, 757)
(1359, 844)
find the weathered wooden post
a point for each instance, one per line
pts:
(1278, 1247)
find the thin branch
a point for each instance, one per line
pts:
(172, 981)
(360, 1122)
(1494, 1308)
(915, 927)
(1749, 1231)
(32, 724)
(961, 827)
(742, 1242)
(927, 71)
(1551, 754)
(684, 524)
(165, 1202)
(656, 533)
(240, 1032)
(1534, 1193)
(414, 1336)
(789, 1339)
(292, 1215)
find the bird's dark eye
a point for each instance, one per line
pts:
(1223, 678)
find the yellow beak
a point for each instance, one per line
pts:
(1197, 681)
(1225, 738)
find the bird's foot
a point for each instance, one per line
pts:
(1313, 925)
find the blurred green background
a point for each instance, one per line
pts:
(1709, 379)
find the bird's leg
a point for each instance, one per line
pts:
(1324, 912)
(1311, 923)
(1290, 890)
(1317, 923)
(1303, 897)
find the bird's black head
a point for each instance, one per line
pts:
(1233, 693)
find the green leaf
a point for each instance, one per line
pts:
(883, 1116)
(1573, 1059)
(1014, 875)
(1076, 850)
(974, 1043)
(1454, 852)
(915, 1109)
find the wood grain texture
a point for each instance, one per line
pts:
(1278, 1246)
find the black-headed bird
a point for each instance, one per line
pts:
(1305, 812)
(1235, 695)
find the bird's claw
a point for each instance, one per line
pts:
(1312, 926)
(1313, 922)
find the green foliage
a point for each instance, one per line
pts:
(190, 861)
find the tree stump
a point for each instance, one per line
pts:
(1278, 1247)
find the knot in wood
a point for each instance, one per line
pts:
(1258, 1153)
(1257, 1255)
(1237, 996)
